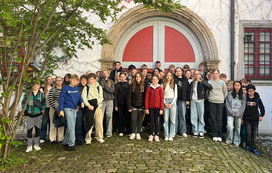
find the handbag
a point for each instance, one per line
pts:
(59, 121)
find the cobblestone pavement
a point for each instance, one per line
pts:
(119, 154)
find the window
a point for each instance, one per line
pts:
(257, 53)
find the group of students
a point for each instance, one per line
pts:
(75, 106)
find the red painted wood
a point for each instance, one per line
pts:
(140, 47)
(177, 47)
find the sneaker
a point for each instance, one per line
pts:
(214, 139)
(156, 139)
(121, 134)
(88, 140)
(195, 135)
(150, 139)
(184, 135)
(219, 139)
(138, 136)
(236, 145)
(255, 152)
(228, 142)
(170, 139)
(100, 140)
(166, 139)
(37, 148)
(28, 149)
(70, 148)
(201, 135)
(247, 148)
(132, 136)
(42, 141)
(108, 136)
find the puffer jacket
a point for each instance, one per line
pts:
(121, 93)
(136, 99)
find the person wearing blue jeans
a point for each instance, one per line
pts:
(183, 91)
(68, 103)
(235, 107)
(170, 97)
(197, 96)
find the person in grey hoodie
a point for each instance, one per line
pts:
(216, 98)
(107, 105)
(235, 106)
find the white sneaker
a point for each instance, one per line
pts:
(132, 136)
(219, 139)
(150, 139)
(201, 135)
(42, 141)
(28, 149)
(138, 136)
(156, 139)
(37, 147)
(214, 139)
(166, 139)
(184, 135)
(100, 140)
(170, 139)
(121, 134)
(108, 136)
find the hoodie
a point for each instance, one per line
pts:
(253, 105)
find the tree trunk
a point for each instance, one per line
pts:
(6, 150)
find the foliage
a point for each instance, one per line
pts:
(35, 28)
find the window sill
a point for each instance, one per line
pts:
(262, 82)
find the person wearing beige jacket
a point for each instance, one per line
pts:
(92, 96)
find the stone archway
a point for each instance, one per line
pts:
(138, 13)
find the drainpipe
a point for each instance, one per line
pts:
(232, 22)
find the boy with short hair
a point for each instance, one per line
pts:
(252, 117)
(229, 84)
(114, 72)
(223, 77)
(68, 101)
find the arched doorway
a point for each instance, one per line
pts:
(145, 36)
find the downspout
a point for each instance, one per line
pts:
(232, 22)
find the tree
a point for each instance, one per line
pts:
(35, 28)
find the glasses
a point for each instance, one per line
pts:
(58, 80)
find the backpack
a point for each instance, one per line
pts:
(88, 89)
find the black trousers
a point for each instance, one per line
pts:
(207, 116)
(124, 119)
(88, 119)
(154, 121)
(251, 133)
(136, 120)
(216, 111)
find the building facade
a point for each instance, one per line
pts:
(234, 36)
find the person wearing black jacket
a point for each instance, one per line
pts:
(197, 96)
(252, 117)
(136, 99)
(120, 103)
(182, 101)
(114, 72)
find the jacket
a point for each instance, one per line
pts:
(201, 89)
(183, 88)
(121, 93)
(154, 97)
(108, 91)
(95, 92)
(136, 99)
(252, 108)
(33, 110)
(113, 74)
(232, 110)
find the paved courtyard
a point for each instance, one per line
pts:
(119, 154)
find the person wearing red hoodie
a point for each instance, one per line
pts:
(154, 105)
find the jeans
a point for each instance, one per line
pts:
(108, 107)
(216, 110)
(136, 120)
(180, 118)
(233, 130)
(251, 133)
(169, 119)
(69, 137)
(197, 117)
(45, 121)
(79, 129)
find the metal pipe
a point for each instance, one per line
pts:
(232, 22)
